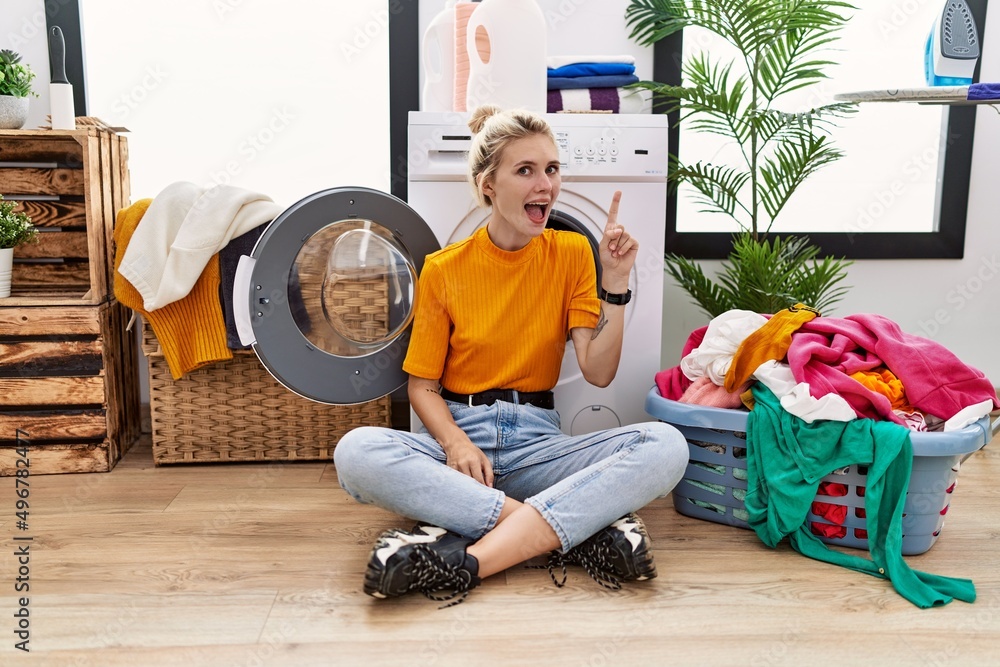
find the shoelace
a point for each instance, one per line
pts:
(594, 558)
(434, 575)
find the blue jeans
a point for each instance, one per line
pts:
(579, 484)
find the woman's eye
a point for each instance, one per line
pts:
(523, 171)
(553, 169)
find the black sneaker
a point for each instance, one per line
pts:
(428, 559)
(620, 552)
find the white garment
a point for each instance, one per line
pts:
(553, 62)
(968, 415)
(796, 399)
(184, 226)
(715, 354)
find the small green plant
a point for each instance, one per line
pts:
(15, 77)
(15, 226)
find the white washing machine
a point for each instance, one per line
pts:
(599, 154)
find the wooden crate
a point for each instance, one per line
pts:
(236, 411)
(72, 183)
(69, 380)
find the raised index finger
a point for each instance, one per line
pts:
(613, 212)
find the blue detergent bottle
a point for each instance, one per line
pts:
(952, 47)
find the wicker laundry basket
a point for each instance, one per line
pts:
(236, 411)
(715, 481)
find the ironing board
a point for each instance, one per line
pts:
(950, 95)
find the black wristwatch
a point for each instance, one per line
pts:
(615, 299)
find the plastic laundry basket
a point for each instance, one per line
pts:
(715, 482)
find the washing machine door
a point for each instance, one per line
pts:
(326, 299)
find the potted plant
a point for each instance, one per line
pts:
(15, 229)
(15, 87)
(778, 45)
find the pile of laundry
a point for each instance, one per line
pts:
(588, 84)
(175, 260)
(827, 368)
(825, 393)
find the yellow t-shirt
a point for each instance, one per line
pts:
(486, 318)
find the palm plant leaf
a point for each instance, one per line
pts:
(792, 162)
(718, 187)
(711, 297)
(773, 124)
(711, 103)
(818, 284)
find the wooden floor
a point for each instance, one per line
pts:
(262, 565)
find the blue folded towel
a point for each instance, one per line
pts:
(984, 91)
(615, 81)
(592, 69)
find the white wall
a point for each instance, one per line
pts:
(955, 302)
(23, 29)
(284, 98)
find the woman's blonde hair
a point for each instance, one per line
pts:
(494, 130)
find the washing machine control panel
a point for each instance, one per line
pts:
(591, 146)
(605, 153)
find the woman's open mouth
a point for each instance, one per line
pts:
(536, 211)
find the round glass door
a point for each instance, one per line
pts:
(352, 288)
(332, 292)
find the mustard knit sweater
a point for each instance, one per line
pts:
(191, 331)
(487, 318)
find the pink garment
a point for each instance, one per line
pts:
(671, 382)
(827, 350)
(705, 392)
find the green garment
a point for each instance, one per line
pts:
(786, 460)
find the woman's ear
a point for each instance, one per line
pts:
(487, 186)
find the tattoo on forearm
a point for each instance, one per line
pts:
(433, 391)
(602, 320)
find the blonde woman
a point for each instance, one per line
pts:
(493, 481)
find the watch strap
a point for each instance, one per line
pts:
(615, 299)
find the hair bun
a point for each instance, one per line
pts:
(481, 114)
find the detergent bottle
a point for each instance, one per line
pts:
(438, 61)
(506, 43)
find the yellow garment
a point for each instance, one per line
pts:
(769, 342)
(191, 331)
(882, 381)
(490, 319)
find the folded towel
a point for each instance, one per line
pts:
(617, 81)
(558, 61)
(984, 91)
(615, 100)
(591, 69)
